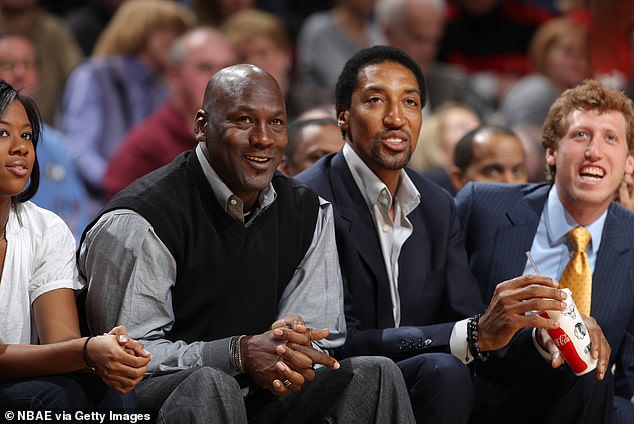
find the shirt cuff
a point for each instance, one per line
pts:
(542, 352)
(458, 342)
(218, 355)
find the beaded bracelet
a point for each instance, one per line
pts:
(235, 354)
(472, 339)
(85, 354)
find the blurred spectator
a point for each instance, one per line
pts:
(195, 57)
(120, 85)
(57, 49)
(438, 137)
(531, 137)
(328, 39)
(416, 27)
(625, 195)
(89, 20)
(439, 134)
(489, 153)
(629, 87)
(560, 59)
(260, 38)
(326, 110)
(489, 38)
(308, 141)
(60, 190)
(608, 23)
(216, 12)
(294, 12)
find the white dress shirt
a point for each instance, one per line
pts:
(393, 233)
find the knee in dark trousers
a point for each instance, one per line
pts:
(623, 411)
(43, 393)
(556, 395)
(439, 386)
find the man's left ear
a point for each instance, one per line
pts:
(629, 163)
(283, 167)
(342, 119)
(201, 125)
(457, 178)
(550, 156)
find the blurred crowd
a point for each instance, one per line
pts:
(165, 133)
(117, 81)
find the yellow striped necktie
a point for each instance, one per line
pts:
(577, 275)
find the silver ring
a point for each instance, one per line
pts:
(287, 382)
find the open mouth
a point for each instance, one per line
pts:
(591, 173)
(19, 170)
(395, 143)
(259, 162)
(258, 159)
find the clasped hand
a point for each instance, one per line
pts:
(283, 358)
(121, 362)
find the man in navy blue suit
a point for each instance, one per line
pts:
(588, 136)
(409, 293)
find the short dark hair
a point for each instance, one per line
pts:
(349, 76)
(295, 131)
(7, 95)
(463, 152)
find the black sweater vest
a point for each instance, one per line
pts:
(229, 278)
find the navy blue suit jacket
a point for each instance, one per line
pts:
(435, 285)
(500, 222)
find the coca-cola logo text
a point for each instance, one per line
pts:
(562, 340)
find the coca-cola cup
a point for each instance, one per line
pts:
(572, 337)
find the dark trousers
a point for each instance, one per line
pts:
(440, 388)
(363, 390)
(623, 411)
(526, 389)
(69, 392)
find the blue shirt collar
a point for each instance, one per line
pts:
(559, 222)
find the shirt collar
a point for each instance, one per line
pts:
(559, 222)
(231, 203)
(374, 190)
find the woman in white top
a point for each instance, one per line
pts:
(45, 364)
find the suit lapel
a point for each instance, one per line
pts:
(515, 236)
(611, 269)
(360, 226)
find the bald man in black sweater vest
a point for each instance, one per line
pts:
(228, 273)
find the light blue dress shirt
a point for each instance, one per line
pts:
(550, 245)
